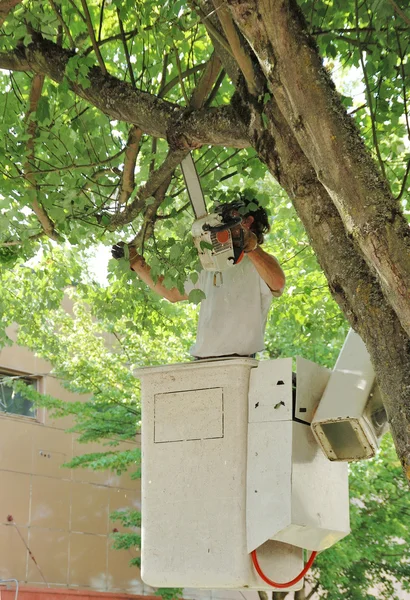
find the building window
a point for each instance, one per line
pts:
(15, 403)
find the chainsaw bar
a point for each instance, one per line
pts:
(193, 186)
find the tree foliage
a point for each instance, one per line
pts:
(105, 332)
(101, 101)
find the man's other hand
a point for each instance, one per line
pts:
(118, 250)
(250, 241)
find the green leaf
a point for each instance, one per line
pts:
(195, 296)
(205, 245)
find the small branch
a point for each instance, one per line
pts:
(242, 57)
(403, 85)
(113, 38)
(85, 166)
(131, 153)
(45, 221)
(215, 89)
(206, 82)
(213, 32)
(92, 37)
(313, 591)
(181, 80)
(369, 100)
(168, 86)
(78, 11)
(101, 21)
(36, 236)
(400, 12)
(63, 23)
(156, 179)
(404, 182)
(127, 54)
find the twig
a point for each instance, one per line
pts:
(45, 221)
(369, 100)
(113, 38)
(12, 522)
(101, 20)
(87, 166)
(181, 79)
(404, 182)
(215, 89)
(127, 54)
(157, 177)
(63, 23)
(400, 12)
(211, 29)
(78, 11)
(92, 37)
(168, 86)
(36, 236)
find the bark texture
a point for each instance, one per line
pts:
(328, 137)
(183, 128)
(353, 281)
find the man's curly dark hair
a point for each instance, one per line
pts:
(247, 207)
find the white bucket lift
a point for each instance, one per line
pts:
(226, 472)
(350, 419)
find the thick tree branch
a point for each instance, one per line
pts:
(30, 176)
(131, 153)
(118, 99)
(150, 215)
(329, 138)
(351, 281)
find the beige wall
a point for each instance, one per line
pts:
(62, 514)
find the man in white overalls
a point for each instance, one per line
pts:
(232, 317)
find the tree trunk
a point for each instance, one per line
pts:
(371, 307)
(328, 137)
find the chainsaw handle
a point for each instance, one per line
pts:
(228, 225)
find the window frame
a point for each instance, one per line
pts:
(39, 416)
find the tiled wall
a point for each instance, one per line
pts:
(61, 514)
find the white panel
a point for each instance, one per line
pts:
(196, 414)
(354, 357)
(268, 495)
(320, 495)
(311, 381)
(270, 391)
(194, 492)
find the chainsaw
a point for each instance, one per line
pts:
(218, 248)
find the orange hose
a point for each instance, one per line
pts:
(288, 583)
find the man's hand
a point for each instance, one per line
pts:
(118, 251)
(250, 241)
(122, 250)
